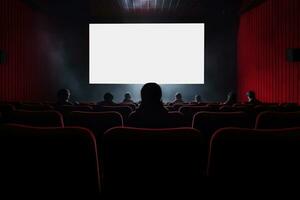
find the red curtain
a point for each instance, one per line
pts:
(264, 35)
(23, 76)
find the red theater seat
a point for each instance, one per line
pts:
(250, 153)
(123, 110)
(98, 122)
(176, 119)
(152, 159)
(66, 111)
(34, 107)
(177, 107)
(190, 111)
(275, 120)
(36, 118)
(208, 122)
(227, 108)
(5, 110)
(48, 162)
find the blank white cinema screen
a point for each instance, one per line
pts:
(141, 53)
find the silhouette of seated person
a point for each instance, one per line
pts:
(151, 112)
(63, 98)
(107, 100)
(197, 99)
(178, 99)
(127, 99)
(252, 98)
(231, 99)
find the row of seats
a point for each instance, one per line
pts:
(64, 161)
(206, 122)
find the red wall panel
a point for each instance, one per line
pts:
(23, 76)
(264, 35)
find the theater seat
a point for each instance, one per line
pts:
(151, 160)
(66, 111)
(208, 122)
(190, 111)
(36, 118)
(275, 120)
(176, 119)
(98, 122)
(249, 153)
(5, 110)
(39, 163)
(34, 107)
(123, 110)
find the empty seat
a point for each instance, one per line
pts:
(274, 120)
(66, 111)
(250, 153)
(227, 108)
(152, 159)
(48, 162)
(190, 111)
(34, 107)
(176, 119)
(123, 110)
(98, 122)
(5, 110)
(176, 107)
(208, 122)
(36, 118)
(156, 120)
(131, 105)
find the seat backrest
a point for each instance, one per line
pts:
(176, 119)
(66, 110)
(274, 120)
(208, 122)
(190, 111)
(227, 108)
(5, 110)
(48, 161)
(236, 152)
(98, 122)
(34, 107)
(138, 159)
(123, 110)
(36, 118)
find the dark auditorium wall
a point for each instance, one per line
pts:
(25, 72)
(265, 33)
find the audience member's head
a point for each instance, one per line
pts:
(178, 99)
(151, 94)
(178, 96)
(197, 98)
(231, 99)
(252, 97)
(127, 98)
(108, 97)
(151, 112)
(63, 96)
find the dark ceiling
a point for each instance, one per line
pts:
(101, 10)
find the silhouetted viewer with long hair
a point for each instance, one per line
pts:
(151, 113)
